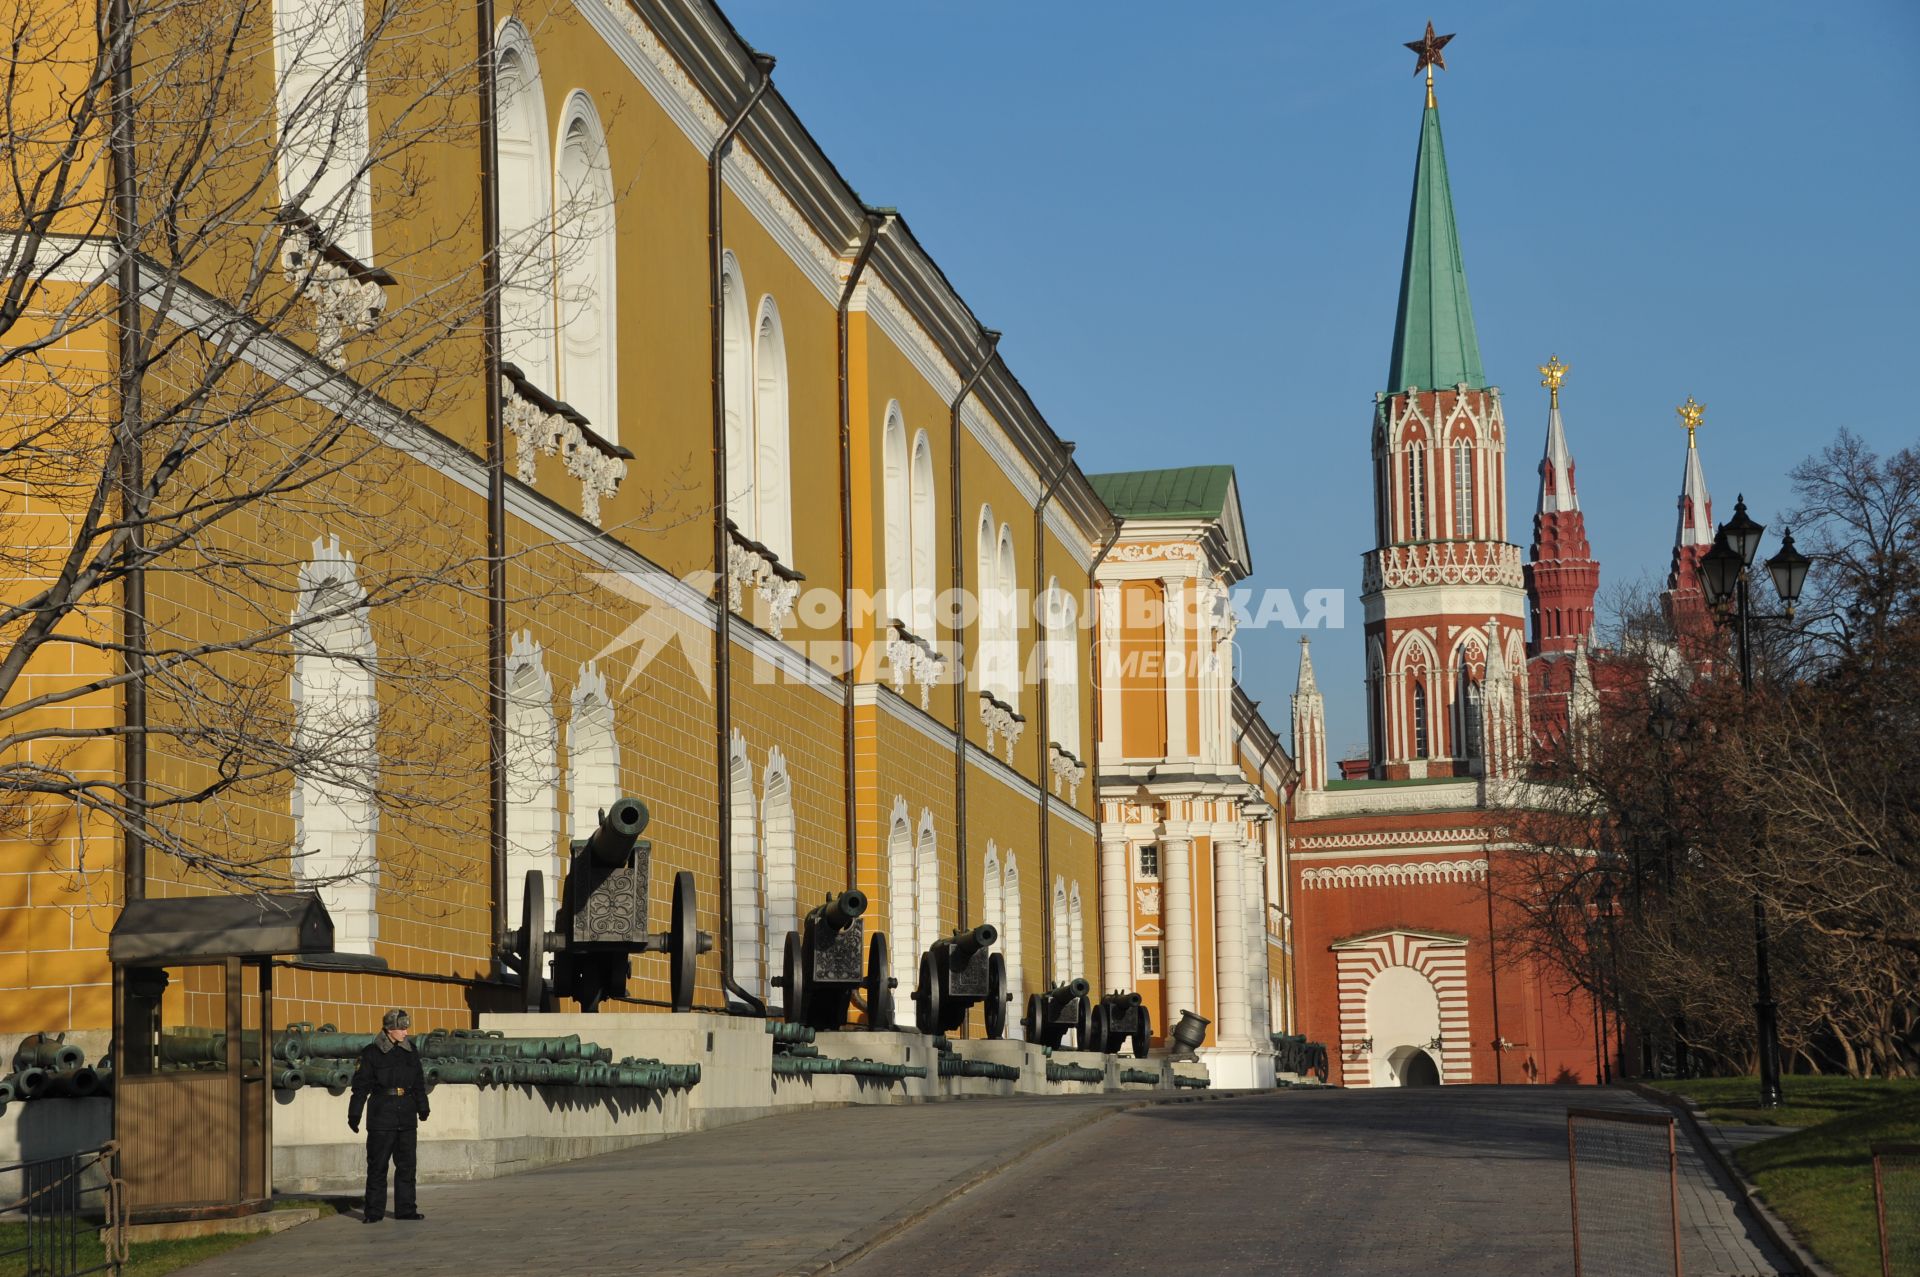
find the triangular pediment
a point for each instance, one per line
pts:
(1365, 939)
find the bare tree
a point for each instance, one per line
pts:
(217, 373)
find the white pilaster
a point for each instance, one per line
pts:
(1109, 743)
(1116, 917)
(1253, 866)
(1230, 941)
(1175, 653)
(1176, 908)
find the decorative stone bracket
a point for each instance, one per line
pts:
(911, 657)
(751, 564)
(1000, 719)
(347, 295)
(1066, 770)
(542, 425)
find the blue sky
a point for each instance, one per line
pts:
(1189, 224)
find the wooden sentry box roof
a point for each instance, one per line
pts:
(195, 928)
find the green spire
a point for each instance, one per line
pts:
(1434, 346)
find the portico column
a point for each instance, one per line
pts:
(1176, 905)
(1260, 1011)
(1116, 918)
(1230, 939)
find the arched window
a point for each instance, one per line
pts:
(921, 500)
(896, 499)
(926, 886)
(533, 776)
(902, 912)
(991, 896)
(1076, 934)
(1417, 491)
(1063, 668)
(1419, 720)
(1462, 490)
(593, 753)
(987, 603)
(1062, 936)
(782, 858)
(736, 363)
(771, 472)
(321, 100)
(1006, 587)
(336, 768)
(1012, 944)
(744, 866)
(526, 212)
(1472, 696)
(584, 244)
(1379, 747)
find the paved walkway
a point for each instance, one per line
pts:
(1467, 1181)
(785, 1194)
(1460, 1180)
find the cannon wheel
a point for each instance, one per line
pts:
(1036, 1025)
(996, 1009)
(793, 985)
(532, 941)
(879, 983)
(683, 941)
(1083, 1024)
(926, 1012)
(1143, 1036)
(1097, 1030)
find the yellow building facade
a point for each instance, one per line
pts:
(455, 528)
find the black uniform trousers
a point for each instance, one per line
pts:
(399, 1147)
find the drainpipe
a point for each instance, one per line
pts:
(132, 464)
(496, 487)
(877, 221)
(723, 626)
(1043, 720)
(992, 342)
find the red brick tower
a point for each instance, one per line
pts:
(1562, 579)
(1684, 601)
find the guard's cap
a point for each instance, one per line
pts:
(396, 1019)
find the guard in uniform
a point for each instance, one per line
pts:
(390, 1089)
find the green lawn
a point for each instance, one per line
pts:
(144, 1259)
(1819, 1179)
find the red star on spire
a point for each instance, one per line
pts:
(1428, 47)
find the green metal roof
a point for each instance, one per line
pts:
(1191, 492)
(1434, 346)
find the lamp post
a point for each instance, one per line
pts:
(1724, 574)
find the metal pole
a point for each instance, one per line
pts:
(1765, 1010)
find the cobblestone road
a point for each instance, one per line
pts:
(1466, 1181)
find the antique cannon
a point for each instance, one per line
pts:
(822, 969)
(602, 920)
(1119, 1016)
(1051, 1014)
(957, 972)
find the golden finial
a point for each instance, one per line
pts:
(1690, 415)
(1553, 373)
(1428, 47)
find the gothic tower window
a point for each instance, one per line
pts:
(1416, 494)
(1420, 720)
(1462, 491)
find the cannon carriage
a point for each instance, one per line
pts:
(1063, 1008)
(957, 972)
(1120, 1017)
(602, 920)
(823, 973)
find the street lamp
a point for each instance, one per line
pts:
(1724, 574)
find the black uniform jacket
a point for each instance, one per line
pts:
(389, 1085)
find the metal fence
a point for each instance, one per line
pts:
(64, 1216)
(1624, 1171)
(1896, 1207)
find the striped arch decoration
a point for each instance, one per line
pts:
(1441, 958)
(1399, 874)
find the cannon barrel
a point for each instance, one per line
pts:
(840, 911)
(1074, 988)
(620, 827)
(967, 943)
(1121, 999)
(48, 1053)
